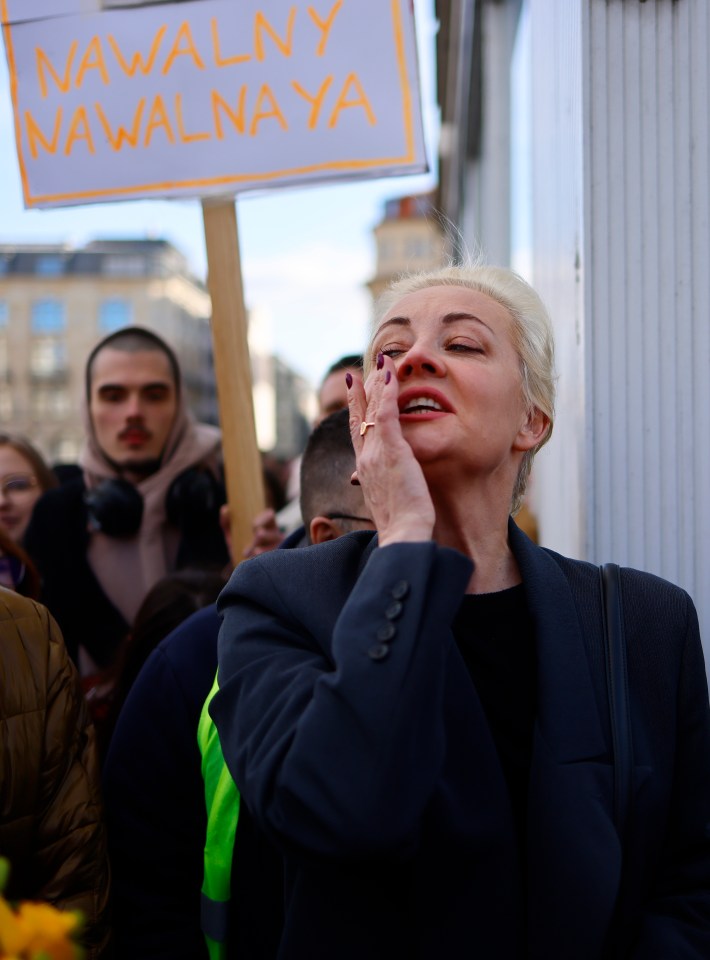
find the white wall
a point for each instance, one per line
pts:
(560, 494)
(621, 254)
(609, 207)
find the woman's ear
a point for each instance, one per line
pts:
(532, 431)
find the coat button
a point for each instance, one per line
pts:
(400, 590)
(394, 610)
(386, 632)
(378, 652)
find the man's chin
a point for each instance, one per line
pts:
(137, 466)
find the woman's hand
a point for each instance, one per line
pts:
(392, 481)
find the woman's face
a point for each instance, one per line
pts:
(460, 396)
(19, 491)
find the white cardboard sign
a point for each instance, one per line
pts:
(119, 100)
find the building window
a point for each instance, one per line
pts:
(48, 357)
(418, 248)
(50, 404)
(49, 266)
(48, 316)
(114, 314)
(129, 266)
(387, 250)
(4, 314)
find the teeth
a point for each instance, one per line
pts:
(418, 403)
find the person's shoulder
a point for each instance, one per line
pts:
(67, 496)
(344, 552)
(178, 674)
(647, 598)
(204, 441)
(631, 577)
(31, 649)
(58, 520)
(330, 568)
(192, 645)
(32, 623)
(13, 606)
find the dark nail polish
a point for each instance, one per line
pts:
(388, 376)
(380, 361)
(348, 380)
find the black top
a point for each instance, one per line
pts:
(494, 633)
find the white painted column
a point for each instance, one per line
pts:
(621, 254)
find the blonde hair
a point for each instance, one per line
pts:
(532, 336)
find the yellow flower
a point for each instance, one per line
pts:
(10, 935)
(37, 931)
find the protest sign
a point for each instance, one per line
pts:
(117, 101)
(127, 99)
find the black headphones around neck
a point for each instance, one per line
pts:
(192, 504)
(115, 507)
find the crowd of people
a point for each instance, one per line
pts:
(387, 734)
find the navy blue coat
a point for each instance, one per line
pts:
(376, 773)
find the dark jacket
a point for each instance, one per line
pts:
(57, 540)
(157, 818)
(376, 773)
(51, 827)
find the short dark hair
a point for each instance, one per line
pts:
(351, 361)
(133, 340)
(328, 461)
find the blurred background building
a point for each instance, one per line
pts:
(409, 237)
(57, 301)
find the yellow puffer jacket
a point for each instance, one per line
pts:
(51, 819)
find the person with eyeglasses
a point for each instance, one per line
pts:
(24, 477)
(330, 505)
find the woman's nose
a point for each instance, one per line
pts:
(419, 359)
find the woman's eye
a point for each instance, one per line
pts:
(391, 351)
(458, 347)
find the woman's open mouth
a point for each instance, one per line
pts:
(423, 404)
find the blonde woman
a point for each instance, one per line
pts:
(419, 718)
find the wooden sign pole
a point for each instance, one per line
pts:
(242, 462)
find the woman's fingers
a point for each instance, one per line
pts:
(395, 490)
(369, 403)
(357, 406)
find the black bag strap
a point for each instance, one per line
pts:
(618, 691)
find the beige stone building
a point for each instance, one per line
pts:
(57, 301)
(409, 237)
